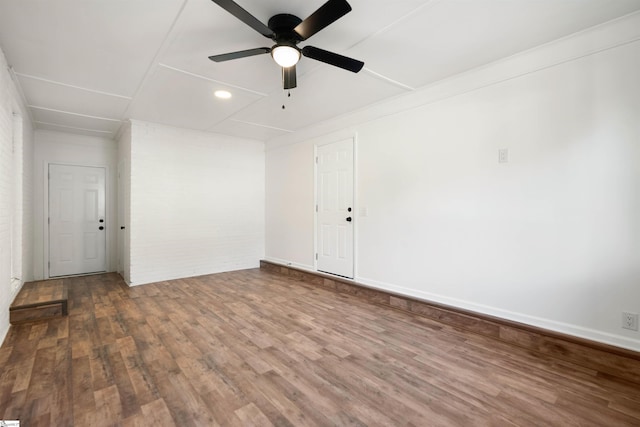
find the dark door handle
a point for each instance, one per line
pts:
(349, 219)
(122, 227)
(101, 228)
(102, 220)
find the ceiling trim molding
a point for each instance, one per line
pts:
(28, 76)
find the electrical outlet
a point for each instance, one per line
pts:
(630, 321)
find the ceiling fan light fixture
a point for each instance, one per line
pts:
(285, 55)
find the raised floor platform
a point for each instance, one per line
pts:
(39, 301)
(593, 355)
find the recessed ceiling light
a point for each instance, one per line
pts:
(223, 94)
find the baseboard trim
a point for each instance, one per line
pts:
(616, 361)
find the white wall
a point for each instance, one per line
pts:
(289, 205)
(16, 183)
(197, 203)
(551, 238)
(71, 149)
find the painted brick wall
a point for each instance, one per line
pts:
(124, 203)
(6, 125)
(197, 203)
(15, 193)
(28, 149)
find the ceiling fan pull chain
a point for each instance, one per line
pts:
(288, 96)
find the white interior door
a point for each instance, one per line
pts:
(77, 223)
(335, 208)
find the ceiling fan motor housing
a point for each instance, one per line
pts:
(282, 25)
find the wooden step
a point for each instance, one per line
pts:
(38, 301)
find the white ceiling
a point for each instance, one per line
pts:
(86, 66)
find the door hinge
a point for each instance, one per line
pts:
(316, 208)
(316, 257)
(49, 220)
(316, 160)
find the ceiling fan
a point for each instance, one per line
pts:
(287, 31)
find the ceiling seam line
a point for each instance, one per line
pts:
(235, 113)
(407, 15)
(72, 86)
(211, 128)
(388, 80)
(152, 64)
(199, 76)
(74, 114)
(72, 127)
(261, 125)
(21, 94)
(386, 27)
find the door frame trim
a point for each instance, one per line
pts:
(45, 211)
(354, 139)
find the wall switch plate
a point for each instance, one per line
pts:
(503, 155)
(630, 321)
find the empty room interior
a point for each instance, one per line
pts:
(285, 213)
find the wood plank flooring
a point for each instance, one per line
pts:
(600, 357)
(253, 348)
(39, 300)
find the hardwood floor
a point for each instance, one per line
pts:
(257, 348)
(596, 356)
(39, 300)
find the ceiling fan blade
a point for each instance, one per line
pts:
(331, 58)
(327, 14)
(289, 77)
(237, 11)
(239, 54)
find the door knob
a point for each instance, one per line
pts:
(101, 228)
(349, 219)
